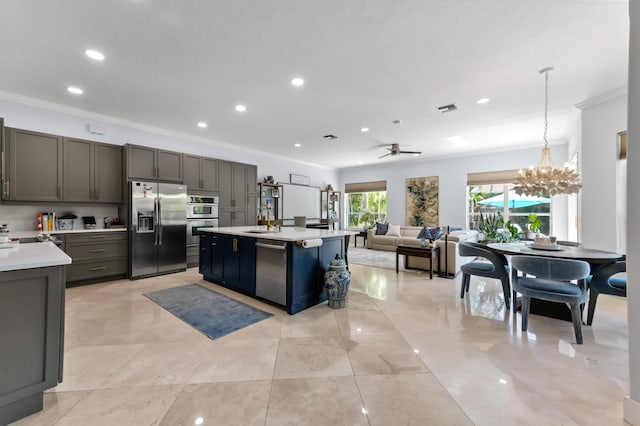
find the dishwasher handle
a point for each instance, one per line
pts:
(271, 246)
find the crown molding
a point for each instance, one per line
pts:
(605, 97)
(107, 119)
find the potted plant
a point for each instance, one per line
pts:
(489, 225)
(367, 219)
(65, 221)
(533, 226)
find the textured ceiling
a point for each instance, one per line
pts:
(172, 63)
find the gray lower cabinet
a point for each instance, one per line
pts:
(153, 164)
(32, 169)
(92, 172)
(200, 174)
(96, 256)
(32, 334)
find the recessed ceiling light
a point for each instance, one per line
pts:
(202, 124)
(297, 145)
(364, 129)
(297, 81)
(483, 101)
(74, 90)
(94, 54)
(241, 108)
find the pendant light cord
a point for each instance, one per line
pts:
(546, 107)
(545, 71)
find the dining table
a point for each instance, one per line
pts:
(595, 257)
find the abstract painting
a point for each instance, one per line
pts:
(422, 201)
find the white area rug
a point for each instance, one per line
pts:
(377, 258)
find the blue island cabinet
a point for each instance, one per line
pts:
(230, 261)
(305, 273)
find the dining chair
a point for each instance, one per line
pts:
(605, 281)
(497, 267)
(551, 280)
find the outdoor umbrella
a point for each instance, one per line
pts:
(515, 201)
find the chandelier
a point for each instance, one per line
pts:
(546, 179)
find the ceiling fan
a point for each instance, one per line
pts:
(395, 150)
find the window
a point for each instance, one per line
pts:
(499, 197)
(361, 203)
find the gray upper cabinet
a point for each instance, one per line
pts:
(209, 174)
(32, 166)
(236, 193)
(92, 172)
(200, 174)
(153, 164)
(108, 173)
(78, 170)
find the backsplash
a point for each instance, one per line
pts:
(23, 217)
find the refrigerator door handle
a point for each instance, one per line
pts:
(156, 221)
(159, 222)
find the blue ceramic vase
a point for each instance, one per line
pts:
(336, 283)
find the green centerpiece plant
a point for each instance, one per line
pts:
(533, 224)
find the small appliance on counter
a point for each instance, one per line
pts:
(89, 222)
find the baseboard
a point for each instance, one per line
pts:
(631, 411)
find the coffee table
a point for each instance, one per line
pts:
(429, 252)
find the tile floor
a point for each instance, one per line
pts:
(406, 350)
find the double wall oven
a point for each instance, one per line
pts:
(202, 212)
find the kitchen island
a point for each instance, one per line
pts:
(32, 291)
(285, 266)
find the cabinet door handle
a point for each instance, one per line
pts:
(99, 268)
(58, 192)
(95, 237)
(98, 250)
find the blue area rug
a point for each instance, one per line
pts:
(209, 312)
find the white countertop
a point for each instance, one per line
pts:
(15, 256)
(287, 234)
(34, 234)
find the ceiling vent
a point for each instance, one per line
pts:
(330, 137)
(447, 108)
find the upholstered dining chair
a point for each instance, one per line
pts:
(551, 280)
(497, 267)
(605, 281)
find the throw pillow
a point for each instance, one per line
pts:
(435, 233)
(425, 233)
(394, 230)
(381, 228)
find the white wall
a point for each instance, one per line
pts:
(34, 115)
(453, 181)
(632, 404)
(601, 124)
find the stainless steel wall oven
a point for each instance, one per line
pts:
(202, 212)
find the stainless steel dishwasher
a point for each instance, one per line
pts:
(271, 270)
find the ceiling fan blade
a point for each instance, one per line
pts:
(411, 152)
(386, 155)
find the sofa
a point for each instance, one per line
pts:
(408, 237)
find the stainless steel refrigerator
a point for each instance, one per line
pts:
(158, 228)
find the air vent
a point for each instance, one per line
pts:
(447, 108)
(330, 137)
